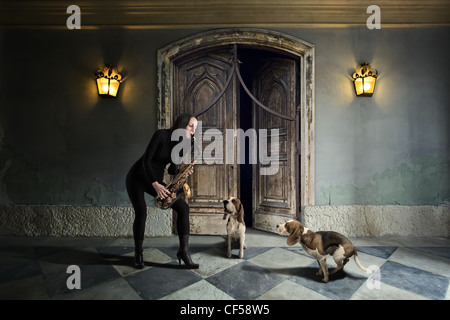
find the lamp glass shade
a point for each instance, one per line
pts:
(103, 86)
(365, 86)
(113, 87)
(369, 85)
(359, 86)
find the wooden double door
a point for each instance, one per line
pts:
(198, 78)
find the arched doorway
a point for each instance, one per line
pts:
(279, 69)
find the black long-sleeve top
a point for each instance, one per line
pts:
(157, 156)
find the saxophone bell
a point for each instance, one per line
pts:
(187, 190)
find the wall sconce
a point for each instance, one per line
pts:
(108, 81)
(364, 79)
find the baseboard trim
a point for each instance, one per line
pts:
(112, 221)
(80, 221)
(374, 221)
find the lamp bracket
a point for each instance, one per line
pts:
(110, 72)
(365, 70)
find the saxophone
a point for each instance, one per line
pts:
(177, 188)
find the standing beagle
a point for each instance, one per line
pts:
(319, 244)
(234, 210)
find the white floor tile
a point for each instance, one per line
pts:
(201, 290)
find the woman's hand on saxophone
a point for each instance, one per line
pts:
(161, 191)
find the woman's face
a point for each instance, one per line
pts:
(191, 127)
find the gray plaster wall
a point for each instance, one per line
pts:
(392, 148)
(63, 145)
(60, 143)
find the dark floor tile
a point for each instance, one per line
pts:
(116, 256)
(253, 252)
(436, 251)
(13, 254)
(378, 251)
(156, 283)
(90, 275)
(422, 282)
(245, 281)
(19, 270)
(113, 251)
(340, 286)
(172, 251)
(43, 251)
(70, 256)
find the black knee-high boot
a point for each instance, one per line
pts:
(183, 253)
(138, 254)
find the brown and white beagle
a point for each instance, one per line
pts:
(319, 244)
(234, 211)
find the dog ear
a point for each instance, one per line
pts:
(295, 236)
(240, 211)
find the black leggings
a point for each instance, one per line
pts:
(136, 188)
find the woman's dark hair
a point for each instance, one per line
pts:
(181, 122)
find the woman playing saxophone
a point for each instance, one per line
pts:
(146, 176)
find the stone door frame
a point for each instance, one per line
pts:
(258, 38)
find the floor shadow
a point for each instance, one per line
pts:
(308, 272)
(165, 265)
(82, 257)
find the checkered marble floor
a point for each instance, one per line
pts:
(404, 268)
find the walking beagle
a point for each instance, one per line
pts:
(319, 244)
(234, 210)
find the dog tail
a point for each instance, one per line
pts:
(355, 256)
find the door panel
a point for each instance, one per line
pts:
(199, 78)
(274, 195)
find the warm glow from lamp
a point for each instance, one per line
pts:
(113, 87)
(108, 81)
(102, 85)
(364, 79)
